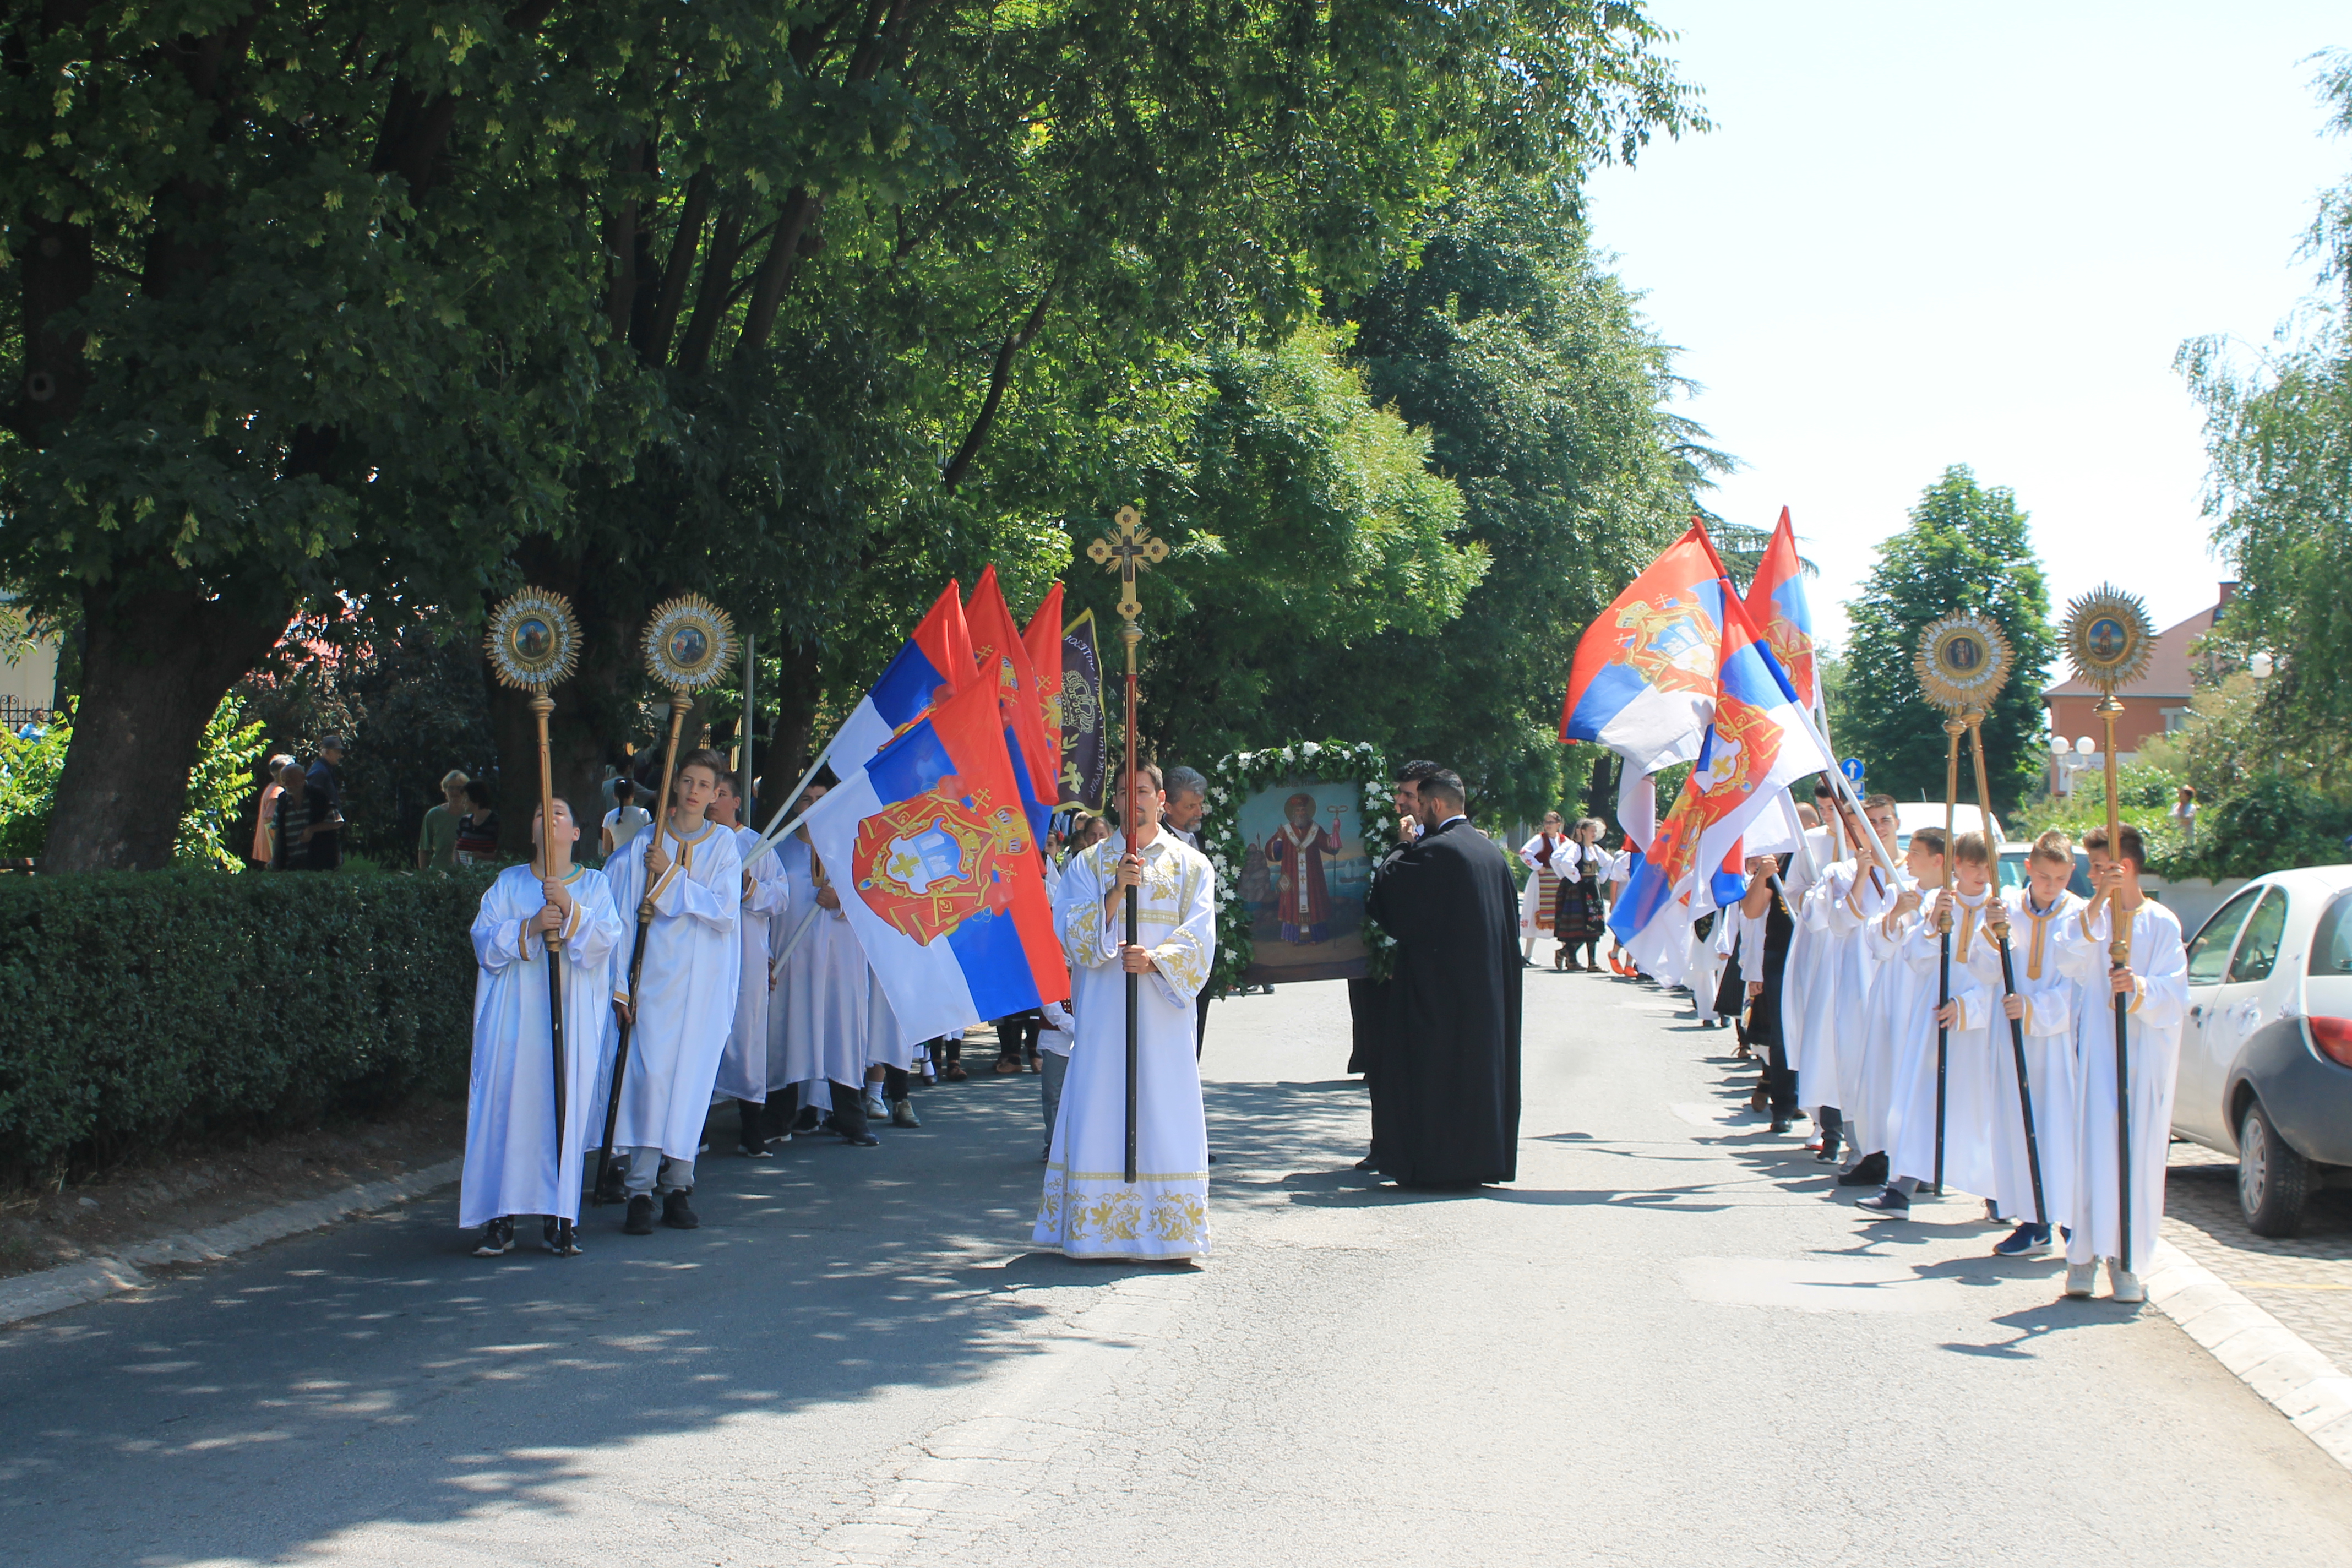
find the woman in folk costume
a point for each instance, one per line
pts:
(1535, 897)
(686, 992)
(1580, 918)
(2153, 983)
(1089, 1209)
(517, 1160)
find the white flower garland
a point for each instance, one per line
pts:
(1243, 774)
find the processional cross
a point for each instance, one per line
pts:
(1128, 548)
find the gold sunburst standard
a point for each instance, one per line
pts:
(1963, 662)
(690, 643)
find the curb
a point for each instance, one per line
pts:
(74, 1284)
(2265, 1355)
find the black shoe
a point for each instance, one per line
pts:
(751, 1140)
(560, 1236)
(612, 1188)
(1366, 1163)
(861, 1140)
(497, 1239)
(1890, 1202)
(641, 1217)
(1779, 1121)
(1870, 1172)
(676, 1213)
(807, 1119)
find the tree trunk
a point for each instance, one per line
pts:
(154, 668)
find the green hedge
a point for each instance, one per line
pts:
(147, 1008)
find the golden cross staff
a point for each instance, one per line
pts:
(689, 644)
(533, 643)
(2109, 642)
(1128, 548)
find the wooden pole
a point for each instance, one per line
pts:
(1952, 729)
(1997, 917)
(1131, 635)
(2118, 957)
(555, 866)
(750, 723)
(679, 703)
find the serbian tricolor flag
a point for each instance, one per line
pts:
(1757, 746)
(940, 874)
(1043, 639)
(1644, 681)
(1776, 604)
(933, 665)
(1003, 664)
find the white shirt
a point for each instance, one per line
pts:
(623, 822)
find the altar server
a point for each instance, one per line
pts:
(2043, 1005)
(761, 921)
(1088, 1209)
(1964, 1025)
(824, 1006)
(1850, 895)
(2154, 981)
(686, 994)
(1536, 896)
(517, 1160)
(1894, 998)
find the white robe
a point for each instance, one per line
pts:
(823, 1006)
(763, 918)
(2153, 1047)
(1088, 1209)
(2038, 945)
(1841, 903)
(516, 1163)
(1894, 993)
(686, 994)
(1968, 1055)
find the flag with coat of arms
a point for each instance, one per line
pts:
(939, 872)
(933, 664)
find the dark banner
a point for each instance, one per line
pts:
(1085, 730)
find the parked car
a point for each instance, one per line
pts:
(2013, 856)
(1912, 816)
(2266, 1050)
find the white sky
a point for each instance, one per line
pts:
(1978, 233)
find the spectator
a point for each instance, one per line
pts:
(1187, 798)
(265, 817)
(2184, 815)
(437, 841)
(621, 823)
(477, 835)
(303, 820)
(327, 807)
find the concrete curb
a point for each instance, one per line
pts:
(2274, 1361)
(54, 1289)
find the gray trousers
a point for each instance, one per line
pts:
(1051, 1069)
(651, 1171)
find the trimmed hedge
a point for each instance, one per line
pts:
(141, 1007)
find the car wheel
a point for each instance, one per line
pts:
(2272, 1179)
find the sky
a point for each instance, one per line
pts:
(1928, 235)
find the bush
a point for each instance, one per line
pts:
(216, 827)
(151, 1007)
(2274, 824)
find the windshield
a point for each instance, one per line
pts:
(2209, 955)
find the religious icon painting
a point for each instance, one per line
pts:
(1303, 875)
(534, 640)
(1963, 662)
(690, 643)
(2108, 637)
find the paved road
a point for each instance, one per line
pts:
(1662, 1346)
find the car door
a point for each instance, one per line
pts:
(2197, 1109)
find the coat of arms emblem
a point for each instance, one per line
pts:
(1672, 643)
(930, 862)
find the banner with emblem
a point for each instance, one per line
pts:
(1776, 603)
(942, 879)
(1086, 726)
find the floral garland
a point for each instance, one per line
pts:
(1243, 774)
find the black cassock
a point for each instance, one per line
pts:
(1445, 1055)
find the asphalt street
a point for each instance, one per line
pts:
(1666, 1343)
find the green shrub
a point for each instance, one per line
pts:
(2273, 824)
(148, 1006)
(218, 788)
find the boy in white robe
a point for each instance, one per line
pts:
(767, 895)
(1850, 895)
(1895, 996)
(517, 1160)
(2042, 1004)
(1964, 1026)
(686, 994)
(1088, 1208)
(823, 1008)
(2154, 981)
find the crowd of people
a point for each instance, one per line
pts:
(1914, 1018)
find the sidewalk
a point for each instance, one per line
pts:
(2304, 1281)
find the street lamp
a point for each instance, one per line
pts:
(2260, 667)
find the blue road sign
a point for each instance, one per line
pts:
(1852, 769)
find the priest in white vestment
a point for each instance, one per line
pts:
(686, 992)
(1089, 1209)
(2154, 981)
(518, 1161)
(2042, 1005)
(767, 894)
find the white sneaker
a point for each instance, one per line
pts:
(874, 1110)
(2126, 1284)
(2080, 1278)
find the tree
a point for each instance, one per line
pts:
(1966, 549)
(2280, 491)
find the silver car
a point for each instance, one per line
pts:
(2266, 1052)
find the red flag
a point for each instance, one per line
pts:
(1004, 663)
(1043, 639)
(1776, 603)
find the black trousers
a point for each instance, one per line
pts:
(1201, 1021)
(848, 1103)
(1016, 1035)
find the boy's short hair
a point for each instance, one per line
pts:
(1973, 848)
(1931, 839)
(2131, 846)
(1878, 803)
(704, 757)
(2055, 846)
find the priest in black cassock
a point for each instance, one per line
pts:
(1446, 1086)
